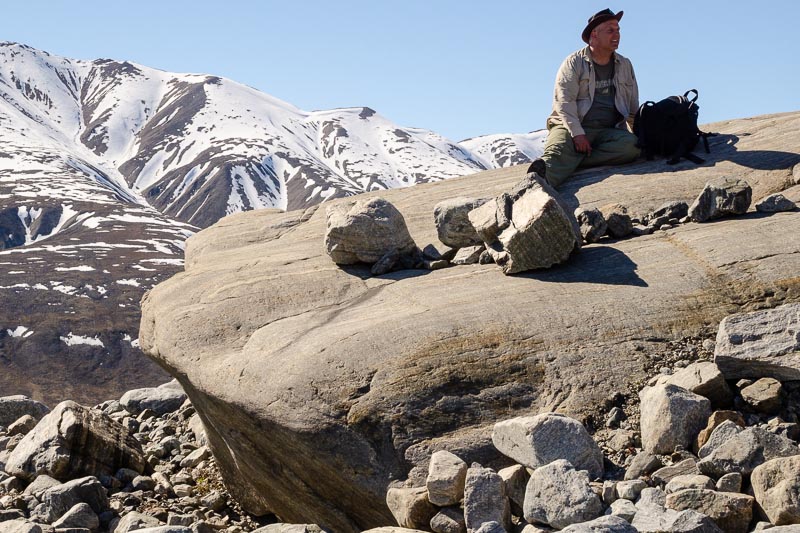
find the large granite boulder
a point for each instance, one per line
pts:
(73, 441)
(334, 378)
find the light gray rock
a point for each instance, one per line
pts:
(731, 512)
(21, 526)
(622, 508)
(259, 293)
(469, 255)
(630, 490)
(527, 228)
(73, 441)
(365, 231)
(490, 527)
(721, 197)
(775, 203)
(12, 408)
(608, 493)
(80, 515)
(196, 457)
(452, 221)
(604, 524)
(134, 521)
(485, 498)
(446, 476)
(290, 528)
(592, 223)
(21, 426)
(745, 451)
(643, 464)
(721, 434)
(558, 495)
(161, 400)
(449, 520)
(410, 506)
(534, 441)
(652, 496)
(730, 482)
(689, 482)
(764, 396)
(671, 416)
(703, 378)
(776, 486)
(196, 427)
(41, 484)
(56, 501)
(515, 479)
(716, 418)
(664, 475)
(760, 344)
(618, 220)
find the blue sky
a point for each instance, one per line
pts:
(460, 68)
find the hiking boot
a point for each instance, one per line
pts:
(538, 165)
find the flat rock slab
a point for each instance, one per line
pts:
(338, 379)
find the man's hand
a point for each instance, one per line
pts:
(582, 144)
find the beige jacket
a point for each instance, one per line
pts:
(574, 91)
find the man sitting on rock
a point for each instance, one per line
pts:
(595, 100)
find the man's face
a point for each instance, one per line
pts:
(606, 36)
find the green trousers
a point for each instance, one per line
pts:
(610, 146)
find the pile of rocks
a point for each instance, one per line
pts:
(137, 464)
(715, 449)
(529, 227)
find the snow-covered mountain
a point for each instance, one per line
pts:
(106, 167)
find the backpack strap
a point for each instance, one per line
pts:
(642, 136)
(696, 94)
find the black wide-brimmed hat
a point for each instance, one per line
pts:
(597, 19)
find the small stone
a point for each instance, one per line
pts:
(643, 464)
(21, 426)
(515, 479)
(664, 475)
(764, 396)
(446, 476)
(452, 221)
(623, 508)
(721, 434)
(618, 220)
(730, 482)
(80, 515)
(721, 197)
(604, 524)
(630, 490)
(410, 507)
(615, 416)
(717, 418)
(609, 492)
(690, 481)
(775, 203)
(449, 520)
(592, 224)
(143, 483)
(468, 255)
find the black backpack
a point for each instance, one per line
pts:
(669, 128)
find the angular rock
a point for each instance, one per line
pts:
(664, 475)
(604, 524)
(41, 484)
(622, 508)
(134, 521)
(630, 490)
(671, 416)
(527, 228)
(669, 211)
(731, 512)
(485, 498)
(534, 441)
(618, 220)
(446, 476)
(366, 230)
(558, 495)
(717, 418)
(21, 526)
(410, 506)
(703, 378)
(690, 481)
(643, 464)
(23, 425)
(721, 197)
(592, 224)
(80, 515)
(12, 408)
(760, 344)
(161, 400)
(469, 255)
(721, 434)
(730, 482)
(490, 527)
(515, 479)
(449, 520)
(652, 496)
(775, 203)
(452, 221)
(56, 501)
(294, 528)
(764, 396)
(776, 486)
(745, 451)
(74, 441)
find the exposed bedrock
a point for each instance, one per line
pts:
(320, 384)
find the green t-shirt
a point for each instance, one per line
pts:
(603, 113)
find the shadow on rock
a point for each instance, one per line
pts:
(594, 264)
